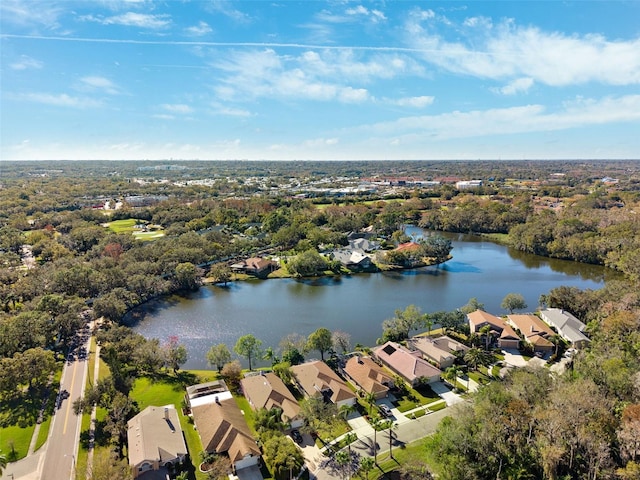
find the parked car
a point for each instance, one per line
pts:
(386, 411)
(297, 437)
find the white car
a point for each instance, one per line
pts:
(386, 411)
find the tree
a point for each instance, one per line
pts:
(3, 463)
(232, 373)
(513, 301)
(472, 305)
(270, 355)
(121, 409)
(366, 465)
(377, 423)
(248, 346)
(451, 375)
(107, 466)
(307, 264)
(283, 455)
(399, 327)
(187, 276)
(341, 340)
(175, 353)
(475, 357)
(220, 273)
(283, 371)
(486, 331)
(218, 355)
(320, 340)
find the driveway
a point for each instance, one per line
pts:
(515, 358)
(447, 395)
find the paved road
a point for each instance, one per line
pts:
(56, 459)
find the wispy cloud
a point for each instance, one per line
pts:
(519, 85)
(97, 83)
(362, 11)
(25, 63)
(132, 19)
(58, 100)
(226, 8)
(503, 121)
(413, 102)
(202, 28)
(39, 13)
(179, 108)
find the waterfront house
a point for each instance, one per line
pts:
(224, 430)
(431, 351)
(316, 379)
(267, 390)
(534, 331)
(368, 376)
(409, 365)
(507, 338)
(568, 326)
(155, 441)
(255, 266)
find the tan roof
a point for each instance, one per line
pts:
(449, 344)
(268, 391)
(408, 246)
(404, 362)
(222, 428)
(479, 318)
(368, 375)
(509, 333)
(530, 326)
(315, 377)
(154, 437)
(431, 349)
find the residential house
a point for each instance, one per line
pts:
(450, 345)
(368, 376)
(409, 365)
(352, 259)
(363, 245)
(268, 391)
(203, 393)
(568, 326)
(507, 338)
(223, 429)
(317, 379)
(432, 352)
(255, 266)
(155, 440)
(534, 331)
(408, 247)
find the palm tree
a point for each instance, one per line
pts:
(557, 341)
(474, 357)
(390, 424)
(428, 323)
(3, 463)
(486, 331)
(370, 398)
(366, 465)
(270, 355)
(346, 410)
(376, 423)
(451, 375)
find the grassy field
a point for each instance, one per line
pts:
(127, 226)
(386, 465)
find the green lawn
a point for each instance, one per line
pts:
(15, 441)
(416, 397)
(411, 451)
(127, 226)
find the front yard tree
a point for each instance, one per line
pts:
(513, 301)
(320, 340)
(218, 355)
(248, 346)
(284, 456)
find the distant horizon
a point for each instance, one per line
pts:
(321, 81)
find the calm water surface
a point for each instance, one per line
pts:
(271, 309)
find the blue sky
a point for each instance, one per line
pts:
(209, 79)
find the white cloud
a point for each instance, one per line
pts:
(320, 142)
(519, 85)
(225, 8)
(414, 102)
(202, 28)
(508, 50)
(230, 112)
(521, 119)
(132, 19)
(360, 10)
(60, 100)
(353, 95)
(25, 62)
(163, 116)
(99, 83)
(42, 13)
(179, 108)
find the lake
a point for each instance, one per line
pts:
(357, 304)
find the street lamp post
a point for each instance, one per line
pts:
(72, 474)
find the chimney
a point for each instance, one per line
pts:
(166, 413)
(217, 400)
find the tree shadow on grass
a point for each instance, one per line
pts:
(22, 409)
(102, 438)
